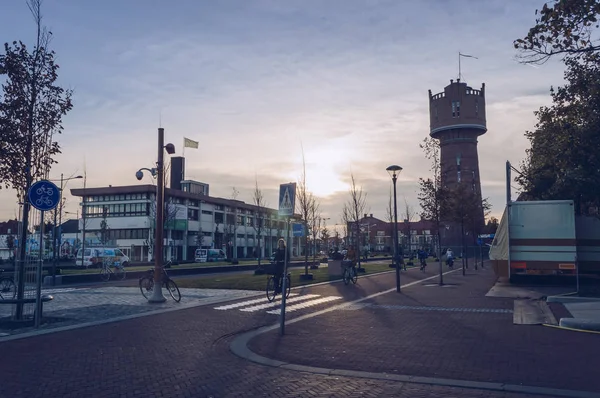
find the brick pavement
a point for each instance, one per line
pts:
(178, 354)
(465, 336)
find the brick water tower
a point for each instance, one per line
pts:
(457, 119)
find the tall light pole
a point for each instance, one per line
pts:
(157, 295)
(56, 240)
(393, 171)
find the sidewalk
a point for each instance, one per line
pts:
(451, 332)
(79, 307)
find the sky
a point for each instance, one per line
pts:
(260, 82)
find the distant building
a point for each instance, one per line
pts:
(377, 235)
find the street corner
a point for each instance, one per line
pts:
(74, 308)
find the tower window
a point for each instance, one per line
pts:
(455, 108)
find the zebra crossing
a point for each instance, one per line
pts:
(294, 302)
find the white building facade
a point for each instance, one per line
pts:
(124, 217)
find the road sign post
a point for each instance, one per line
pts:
(287, 202)
(44, 196)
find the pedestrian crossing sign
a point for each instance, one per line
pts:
(287, 199)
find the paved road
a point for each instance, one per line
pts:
(187, 353)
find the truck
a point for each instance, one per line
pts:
(545, 238)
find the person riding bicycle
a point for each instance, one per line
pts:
(279, 264)
(351, 256)
(422, 258)
(449, 257)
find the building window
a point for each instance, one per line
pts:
(193, 214)
(193, 203)
(455, 108)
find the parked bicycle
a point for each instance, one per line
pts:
(8, 289)
(147, 283)
(350, 273)
(271, 286)
(106, 270)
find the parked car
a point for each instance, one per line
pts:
(95, 256)
(209, 255)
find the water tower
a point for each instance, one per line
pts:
(457, 119)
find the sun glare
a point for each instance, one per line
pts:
(324, 169)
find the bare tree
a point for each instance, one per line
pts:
(389, 216)
(32, 106)
(305, 201)
(346, 219)
(230, 227)
(104, 232)
(315, 226)
(170, 215)
(356, 207)
(325, 235)
(261, 210)
(409, 215)
(433, 196)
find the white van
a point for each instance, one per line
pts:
(209, 255)
(94, 256)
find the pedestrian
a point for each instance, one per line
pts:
(279, 260)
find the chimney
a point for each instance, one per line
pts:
(371, 215)
(365, 215)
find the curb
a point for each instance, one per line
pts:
(581, 324)
(572, 299)
(239, 347)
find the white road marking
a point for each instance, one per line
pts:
(274, 304)
(305, 304)
(245, 303)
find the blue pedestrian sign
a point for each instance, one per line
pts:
(287, 199)
(297, 230)
(44, 195)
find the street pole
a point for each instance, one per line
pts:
(54, 240)
(284, 283)
(157, 295)
(394, 178)
(38, 290)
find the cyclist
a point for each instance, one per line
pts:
(450, 258)
(279, 262)
(422, 258)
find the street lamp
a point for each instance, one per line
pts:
(394, 171)
(56, 240)
(158, 172)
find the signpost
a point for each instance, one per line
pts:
(297, 230)
(287, 204)
(44, 196)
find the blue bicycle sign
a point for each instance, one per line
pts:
(44, 195)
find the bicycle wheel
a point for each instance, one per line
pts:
(8, 289)
(120, 272)
(271, 288)
(354, 275)
(288, 287)
(173, 290)
(346, 276)
(105, 273)
(146, 286)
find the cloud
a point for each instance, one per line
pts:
(255, 81)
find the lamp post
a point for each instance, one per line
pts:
(393, 171)
(56, 241)
(158, 172)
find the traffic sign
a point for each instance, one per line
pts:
(44, 195)
(297, 230)
(287, 199)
